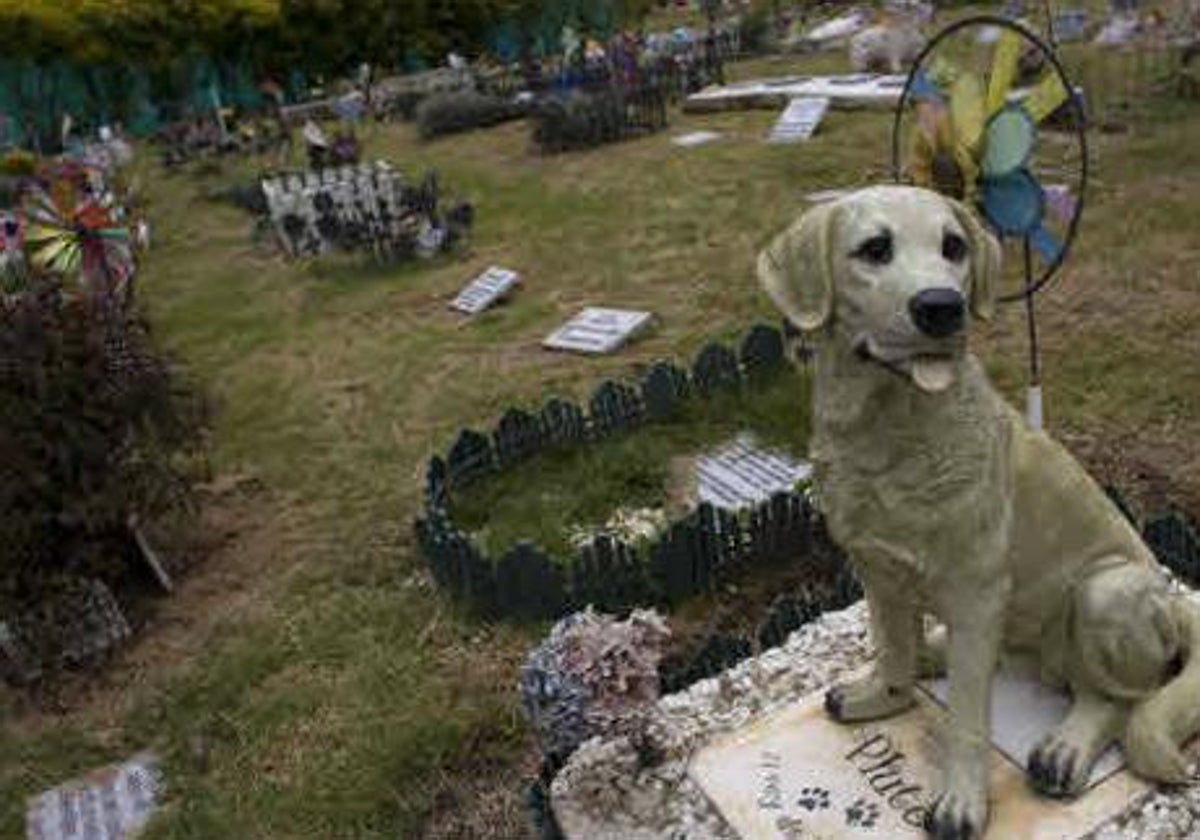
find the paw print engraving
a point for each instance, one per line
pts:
(862, 814)
(813, 799)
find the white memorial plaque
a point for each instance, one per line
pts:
(824, 196)
(740, 475)
(111, 803)
(799, 120)
(695, 138)
(597, 330)
(842, 91)
(799, 774)
(485, 290)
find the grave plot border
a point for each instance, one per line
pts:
(694, 554)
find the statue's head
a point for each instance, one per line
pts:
(898, 271)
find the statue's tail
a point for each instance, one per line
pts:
(1170, 717)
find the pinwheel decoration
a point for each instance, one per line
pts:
(973, 123)
(74, 235)
(975, 130)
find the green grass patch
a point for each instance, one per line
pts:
(543, 498)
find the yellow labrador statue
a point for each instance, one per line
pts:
(948, 503)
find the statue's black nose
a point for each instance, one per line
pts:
(937, 312)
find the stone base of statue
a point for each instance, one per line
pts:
(752, 754)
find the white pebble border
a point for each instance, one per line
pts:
(601, 794)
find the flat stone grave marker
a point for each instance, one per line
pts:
(799, 120)
(485, 290)
(741, 474)
(823, 196)
(799, 774)
(855, 90)
(695, 138)
(111, 803)
(598, 330)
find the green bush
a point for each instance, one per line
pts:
(95, 426)
(755, 35)
(579, 121)
(448, 113)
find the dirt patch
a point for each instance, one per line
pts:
(484, 796)
(247, 541)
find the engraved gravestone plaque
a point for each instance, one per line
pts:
(741, 474)
(799, 120)
(485, 290)
(800, 774)
(111, 803)
(597, 330)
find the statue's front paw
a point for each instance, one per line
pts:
(959, 814)
(867, 699)
(1057, 768)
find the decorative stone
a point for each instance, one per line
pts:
(799, 120)
(111, 803)
(598, 330)
(485, 290)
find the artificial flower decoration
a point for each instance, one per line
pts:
(974, 139)
(72, 235)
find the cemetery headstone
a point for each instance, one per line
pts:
(799, 120)
(111, 803)
(485, 290)
(598, 330)
(823, 196)
(798, 773)
(695, 138)
(740, 474)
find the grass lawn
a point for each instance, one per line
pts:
(308, 681)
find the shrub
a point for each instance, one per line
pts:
(18, 162)
(580, 120)
(95, 426)
(448, 113)
(755, 35)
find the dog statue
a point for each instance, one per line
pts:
(948, 503)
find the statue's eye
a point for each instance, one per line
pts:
(954, 247)
(877, 250)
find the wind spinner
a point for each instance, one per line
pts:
(989, 117)
(74, 235)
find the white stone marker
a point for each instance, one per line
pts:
(695, 138)
(485, 290)
(824, 196)
(800, 774)
(740, 474)
(799, 120)
(111, 803)
(597, 330)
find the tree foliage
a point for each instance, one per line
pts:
(322, 35)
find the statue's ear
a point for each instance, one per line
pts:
(985, 262)
(796, 269)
